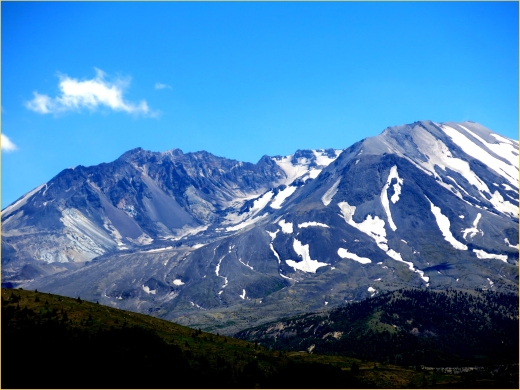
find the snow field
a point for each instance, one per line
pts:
(444, 225)
(307, 264)
(147, 290)
(509, 171)
(345, 254)
(281, 196)
(287, 227)
(375, 228)
(327, 197)
(484, 255)
(395, 197)
(308, 224)
(473, 230)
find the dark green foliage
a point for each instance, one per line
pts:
(410, 327)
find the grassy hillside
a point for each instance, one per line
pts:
(50, 341)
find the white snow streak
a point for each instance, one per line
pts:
(246, 223)
(505, 150)
(375, 228)
(395, 197)
(272, 234)
(281, 196)
(247, 265)
(484, 255)
(327, 197)
(345, 254)
(275, 253)
(307, 224)
(444, 225)
(506, 240)
(473, 230)
(502, 205)
(15, 206)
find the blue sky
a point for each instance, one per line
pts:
(84, 82)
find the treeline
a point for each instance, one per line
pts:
(409, 327)
(43, 348)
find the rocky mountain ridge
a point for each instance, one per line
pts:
(218, 243)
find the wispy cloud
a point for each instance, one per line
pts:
(90, 94)
(7, 144)
(162, 86)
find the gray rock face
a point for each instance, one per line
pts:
(217, 243)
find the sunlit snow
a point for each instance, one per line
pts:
(178, 282)
(473, 230)
(21, 202)
(444, 225)
(506, 240)
(147, 290)
(306, 264)
(281, 196)
(327, 197)
(307, 224)
(246, 223)
(345, 254)
(509, 171)
(502, 205)
(275, 253)
(484, 255)
(287, 227)
(395, 197)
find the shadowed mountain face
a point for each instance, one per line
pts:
(218, 243)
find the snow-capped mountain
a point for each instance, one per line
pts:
(215, 242)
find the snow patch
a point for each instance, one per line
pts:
(484, 255)
(345, 254)
(243, 296)
(507, 170)
(178, 282)
(287, 227)
(444, 225)
(246, 223)
(307, 264)
(395, 197)
(506, 240)
(21, 202)
(307, 224)
(273, 234)
(473, 230)
(247, 265)
(327, 197)
(147, 290)
(281, 196)
(371, 226)
(275, 253)
(502, 205)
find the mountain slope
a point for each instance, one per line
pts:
(225, 245)
(432, 328)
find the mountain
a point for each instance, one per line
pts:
(220, 244)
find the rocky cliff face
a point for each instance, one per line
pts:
(207, 240)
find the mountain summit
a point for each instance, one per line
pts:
(210, 241)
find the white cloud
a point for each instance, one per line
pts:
(7, 144)
(90, 94)
(162, 86)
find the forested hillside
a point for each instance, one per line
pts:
(409, 327)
